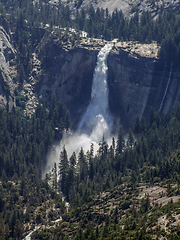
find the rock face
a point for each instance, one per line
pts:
(68, 75)
(130, 81)
(165, 88)
(137, 80)
(128, 7)
(7, 70)
(139, 84)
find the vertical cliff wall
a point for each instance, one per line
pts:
(65, 69)
(8, 71)
(68, 76)
(165, 89)
(130, 81)
(138, 84)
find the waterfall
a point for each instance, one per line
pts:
(167, 86)
(96, 121)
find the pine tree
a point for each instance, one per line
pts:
(137, 126)
(103, 148)
(130, 140)
(63, 169)
(120, 141)
(55, 177)
(82, 166)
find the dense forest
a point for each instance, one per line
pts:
(24, 144)
(153, 153)
(150, 155)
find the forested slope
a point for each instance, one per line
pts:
(104, 188)
(127, 190)
(24, 144)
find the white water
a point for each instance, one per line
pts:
(167, 86)
(28, 237)
(96, 121)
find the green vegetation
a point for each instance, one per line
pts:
(105, 192)
(103, 189)
(24, 143)
(30, 20)
(153, 157)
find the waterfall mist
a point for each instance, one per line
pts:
(96, 122)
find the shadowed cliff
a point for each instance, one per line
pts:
(136, 84)
(137, 80)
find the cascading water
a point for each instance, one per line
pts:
(97, 120)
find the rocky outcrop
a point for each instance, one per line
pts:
(128, 7)
(7, 70)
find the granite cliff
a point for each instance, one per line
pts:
(128, 7)
(137, 79)
(8, 71)
(139, 83)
